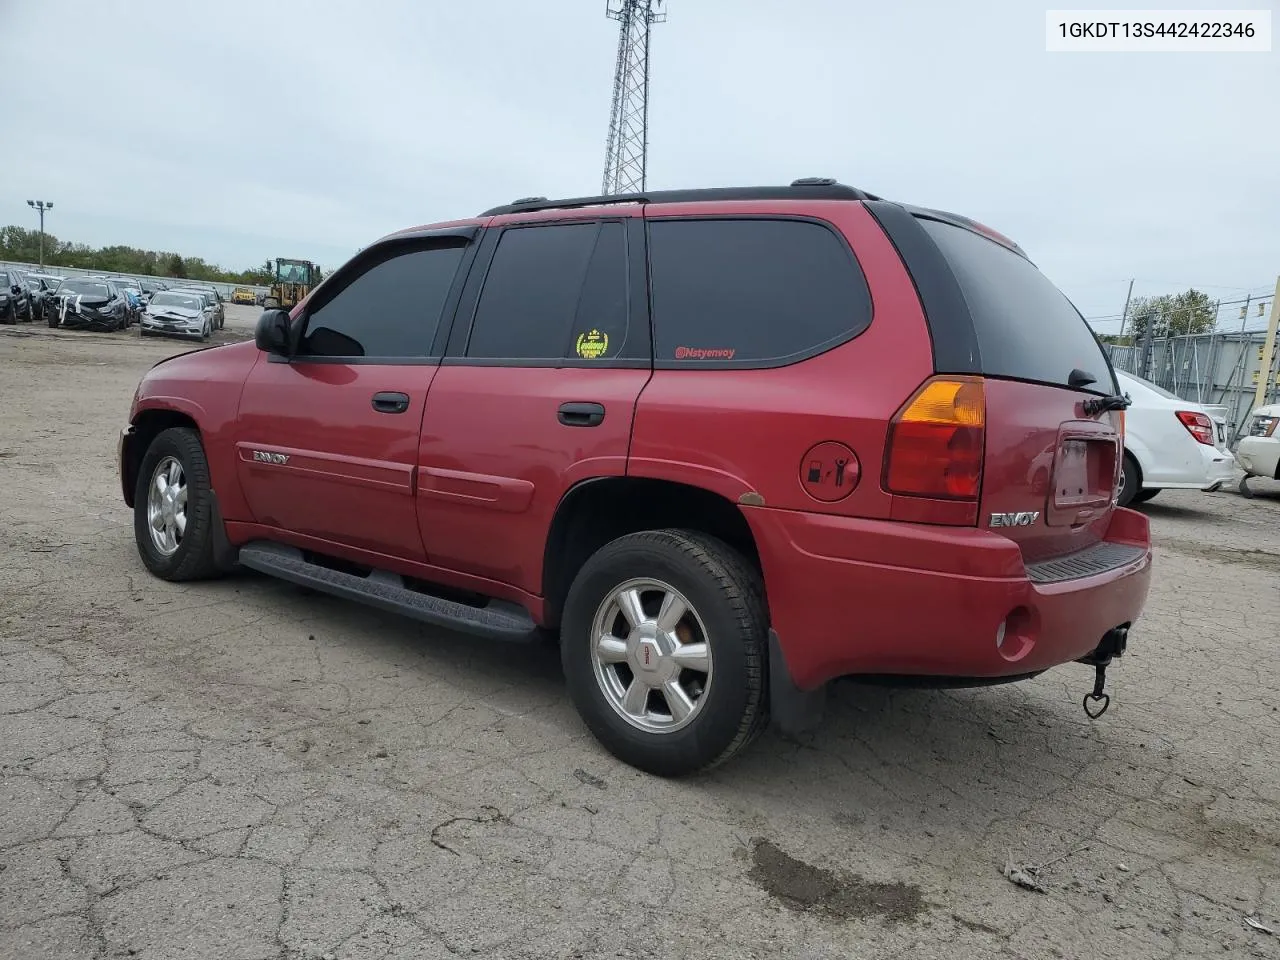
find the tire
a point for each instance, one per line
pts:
(11, 315)
(1130, 480)
(1145, 494)
(726, 603)
(207, 331)
(193, 557)
(51, 317)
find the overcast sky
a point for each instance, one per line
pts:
(240, 131)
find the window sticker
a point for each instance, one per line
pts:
(592, 344)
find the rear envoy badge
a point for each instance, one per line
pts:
(1024, 519)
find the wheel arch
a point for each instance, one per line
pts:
(147, 425)
(1133, 455)
(595, 511)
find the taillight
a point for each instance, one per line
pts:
(936, 440)
(1198, 425)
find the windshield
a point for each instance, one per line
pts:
(185, 300)
(288, 271)
(84, 288)
(1161, 391)
(7, 279)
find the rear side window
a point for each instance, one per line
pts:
(751, 292)
(554, 292)
(1026, 327)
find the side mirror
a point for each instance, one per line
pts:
(272, 334)
(15, 289)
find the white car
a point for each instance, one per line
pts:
(1170, 443)
(1259, 450)
(182, 313)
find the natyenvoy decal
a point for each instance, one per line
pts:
(592, 344)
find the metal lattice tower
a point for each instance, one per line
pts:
(628, 144)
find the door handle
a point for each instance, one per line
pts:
(391, 402)
(581, 414)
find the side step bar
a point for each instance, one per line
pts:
(386, 590)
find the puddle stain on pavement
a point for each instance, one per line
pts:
(802, 886)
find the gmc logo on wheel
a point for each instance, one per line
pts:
(1024, 519)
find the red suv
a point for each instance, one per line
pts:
(726, 444)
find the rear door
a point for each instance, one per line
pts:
(1050, 469)
(548, 355)
(327, 441)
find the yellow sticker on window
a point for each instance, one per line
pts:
(592, 344)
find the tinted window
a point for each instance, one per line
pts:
(554, 292)
(599, 327)
(747, 291)
(1026, 327)
(392, 309)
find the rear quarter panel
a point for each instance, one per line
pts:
(736, 432)
(205, 385)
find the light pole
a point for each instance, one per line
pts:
(42, 206)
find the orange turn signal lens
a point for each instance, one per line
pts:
(936, 441)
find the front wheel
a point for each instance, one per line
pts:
(664, 647)
(173, 508)
(11, 315)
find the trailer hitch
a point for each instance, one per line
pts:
(1113, 645)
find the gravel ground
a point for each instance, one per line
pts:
(243, 770)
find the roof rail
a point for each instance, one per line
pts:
(807, 188)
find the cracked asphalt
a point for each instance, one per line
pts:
(241, 769)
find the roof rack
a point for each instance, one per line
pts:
(806, 188)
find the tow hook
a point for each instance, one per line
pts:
(1113, 645)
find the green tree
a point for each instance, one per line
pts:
(23, 246)
(1172, 315)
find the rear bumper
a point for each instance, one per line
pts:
(1259, 456)
(849, 597)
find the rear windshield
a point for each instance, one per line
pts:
(1026, 327)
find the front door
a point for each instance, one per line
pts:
(549, 354)
(327, 441)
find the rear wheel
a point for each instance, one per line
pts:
(1130, 480)
(1142, 496)
(173, 508)
(665, 652)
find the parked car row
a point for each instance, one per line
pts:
(21, 294)
(108, 304)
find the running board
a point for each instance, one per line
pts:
(381, 588)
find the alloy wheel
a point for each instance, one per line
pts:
(167, 506)
(651, 656)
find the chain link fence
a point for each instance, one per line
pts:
(1215, 369)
